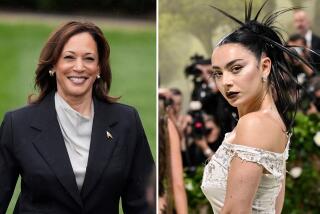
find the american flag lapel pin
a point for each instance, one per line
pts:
(109, 136)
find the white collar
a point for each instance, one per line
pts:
(60, 102)
(308, 37)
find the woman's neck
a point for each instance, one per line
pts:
(79, 104)
(263, 102)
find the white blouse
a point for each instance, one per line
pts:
(76, 130)
(214, 182)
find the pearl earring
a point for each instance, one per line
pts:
(51, 73)
(98, 76)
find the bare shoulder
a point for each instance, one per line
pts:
(260, 130)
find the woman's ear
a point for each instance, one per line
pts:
(265, 66)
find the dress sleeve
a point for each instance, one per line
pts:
(272, 162)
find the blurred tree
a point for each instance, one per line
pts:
(316, 23)
(297, 3)
(129, 7)
(199, 19)
(194, 20)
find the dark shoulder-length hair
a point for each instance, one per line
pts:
(50, 54)
(263, 37)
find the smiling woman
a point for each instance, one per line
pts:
(77, 68)
(90, 58)
(75, 148)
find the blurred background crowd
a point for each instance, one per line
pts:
(188, 98)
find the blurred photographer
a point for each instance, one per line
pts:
(172, 195)
(314, 91)
(205, 91)
(181, 120)
(305, 75)
(200, 71)
(301, 70)
(209, 141)
(210, 113)
(176, 97)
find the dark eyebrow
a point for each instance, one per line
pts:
(228, 65)
(75, 52)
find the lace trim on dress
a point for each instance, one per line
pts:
(273, 162)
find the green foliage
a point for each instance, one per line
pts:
(196, 198)
(303, 192)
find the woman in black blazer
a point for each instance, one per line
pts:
(75, 148)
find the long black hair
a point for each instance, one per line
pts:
(263, 37)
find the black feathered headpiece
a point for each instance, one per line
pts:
(268, 21)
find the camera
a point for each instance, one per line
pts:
(166, 101)
(192, 70)
(211, 102)
(201, 88)
(198, 127)
(197, 124)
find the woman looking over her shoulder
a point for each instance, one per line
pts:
(247, 173)
(75, 148)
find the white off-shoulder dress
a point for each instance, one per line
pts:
(214, 181)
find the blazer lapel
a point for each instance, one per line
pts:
(51, 146)
(103, 141)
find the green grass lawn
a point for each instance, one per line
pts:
(133, 63)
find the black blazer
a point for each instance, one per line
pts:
(31, 145)
(315, 46)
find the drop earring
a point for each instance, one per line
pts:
(98, 76)
(51, 73)
(264, 79)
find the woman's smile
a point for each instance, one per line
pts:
(77, 80)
